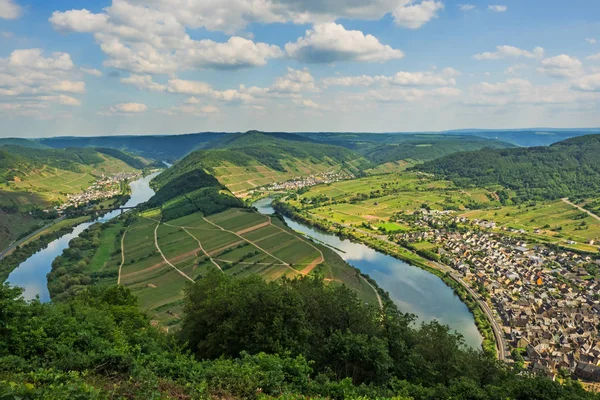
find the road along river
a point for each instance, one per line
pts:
(414, 290)
(31, 274)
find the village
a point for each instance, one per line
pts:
(547, 299)
(311, 180)
(104, 187)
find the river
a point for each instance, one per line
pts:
(31, 274)
(414, 290)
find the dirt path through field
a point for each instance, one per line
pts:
(308, 269)
(204, 251)
(591, 214)
(253, 228)
(122, 255)
(165, 258)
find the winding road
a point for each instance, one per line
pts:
(591, 214)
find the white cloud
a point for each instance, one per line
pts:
(236, 53)
(594, 57)
(309, 104)
(146, 40)
(514, 69)
(510, 52)
(192, 100)
(414, 16)
(188, 87)
(128, 108)
(32, 58)
(330, 42)
(562, 66)
(69, 87)
(508, 86)
(143, 82)
(497, 8)
(409, 95)
(589, 83)
(31, 80)
(295, 81)
(61, 99)
(199, 111)
(10, 10)
(466, 7)
(591, 40)
(92, 71)
(232, 16)
(401, 78)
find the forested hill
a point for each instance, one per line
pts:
(22, 142)
(254, 159)
(382, 148)
(158, 147)
(20, 162)
(568, 168)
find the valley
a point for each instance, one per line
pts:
(501, 265)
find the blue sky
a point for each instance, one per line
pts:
(172, 66)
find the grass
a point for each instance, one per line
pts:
(385, 195)
(242, 179)
(49, 186)
(110, 242)
(159, 287)
(44, 188)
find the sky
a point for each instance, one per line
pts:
(108, 67)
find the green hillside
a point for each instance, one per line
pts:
(428, 147)
(255, 159)
(568, 168)
(22, 142)
(32, 179)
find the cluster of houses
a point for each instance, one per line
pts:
(547, 300)
(104, 187)
(311, 180)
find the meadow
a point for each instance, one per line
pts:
(48, 186)
(242, 179)
(373, 200)
(239, 242)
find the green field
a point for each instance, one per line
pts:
(373, 200)
(47, 186)
(238, 241)
(242, 179)
(43, 188)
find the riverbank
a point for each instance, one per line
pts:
(381, 244)
(37, 241)
(29, 270)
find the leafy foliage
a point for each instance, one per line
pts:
(191, 192)
(18, 161)
(128, 159)
(99, 345)
(568, 168)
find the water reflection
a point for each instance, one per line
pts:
(31, 274)
(412, 289)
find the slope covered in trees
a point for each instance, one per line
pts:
(158, 147)
(246, 339)
(20, 162)
(382, 148)
(180, 194)
(567, 168)
(255, 159)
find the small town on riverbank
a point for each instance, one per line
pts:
(105, 187)
(310, 180)
(546, 298)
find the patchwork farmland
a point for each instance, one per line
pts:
(159, 259)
